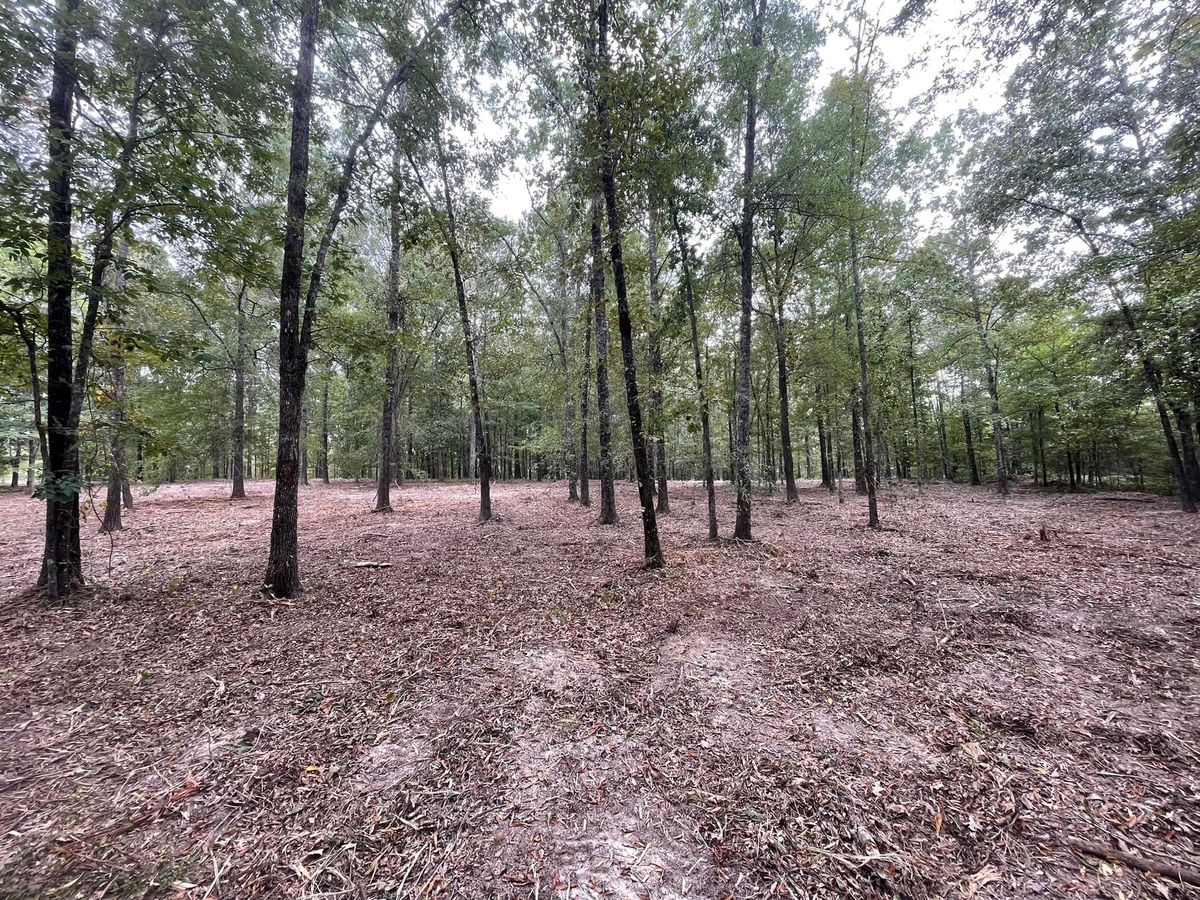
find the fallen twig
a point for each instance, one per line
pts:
(1166, 870)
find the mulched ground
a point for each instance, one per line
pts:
(517, 710)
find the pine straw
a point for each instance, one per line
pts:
(518, 710)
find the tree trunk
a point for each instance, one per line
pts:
(785, 426)
(991, 371)
(608, 497)
(303, 445)
(483, 452)
(823, 444)
(570, 459)
(62, 567)
(239, 401)
(283, 568)
(653, 550)
(395, 312)
(112, 501)
(116, 473)
(657, 422)
(997, 430)
(912, 386)
(741, 438)
(585, 491)
(972, 464)
(18, 445)
(864, 398)
(1187, 471)
(325, 427)
(864, 387)
(943, 444)
(860, 465)
(701, 390)
(31, 468)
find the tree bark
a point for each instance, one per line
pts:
(943, 444)
(701, 390)
(62, 567)
(990, 368)
(912, 387)
(653, 549)
(997, 429)
(860, 465)
(303, 444)
(483, 450)
(585, 491)
(972, 464)
(570, 457)
(864, 386)
(283, 573)
(116, 473)
(239, 401)
(785, 414)
(608, 497)
(741, 437)
(395, 314)
(658, 440)
(283, 569)
(325, 427)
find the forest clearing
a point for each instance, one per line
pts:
(599, 449)
(518, 709)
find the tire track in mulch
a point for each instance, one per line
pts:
(517, 710)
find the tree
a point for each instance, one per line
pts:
(395, 319)
(741, 436)
(608, 165)
(62, 566)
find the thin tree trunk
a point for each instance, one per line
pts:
(283, 573)
(972, 464)
(387, 420)
(62, 567)
(283, 568)
(653, 549)
(860, 465)
(943, 444)
(997, 430)
(585, 491)
(325, 428)
(570, 458)
(608, 497)
(239, 401)
(303, 445)
(483, 452)
(657, 422)
(990, 368)
(1186, 470)
(785, 425)
(112, 499)
(701, 391)
(32, 464)
(116, 474)
(912, 386)
(741, 443)
(822, 443)
(864, 397)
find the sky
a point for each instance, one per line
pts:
(916, 58)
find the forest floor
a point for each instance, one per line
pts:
(941, 709)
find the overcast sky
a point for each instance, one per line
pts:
(915, 59)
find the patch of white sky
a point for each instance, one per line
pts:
(917, 63)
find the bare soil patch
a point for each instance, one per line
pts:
(519, 710)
